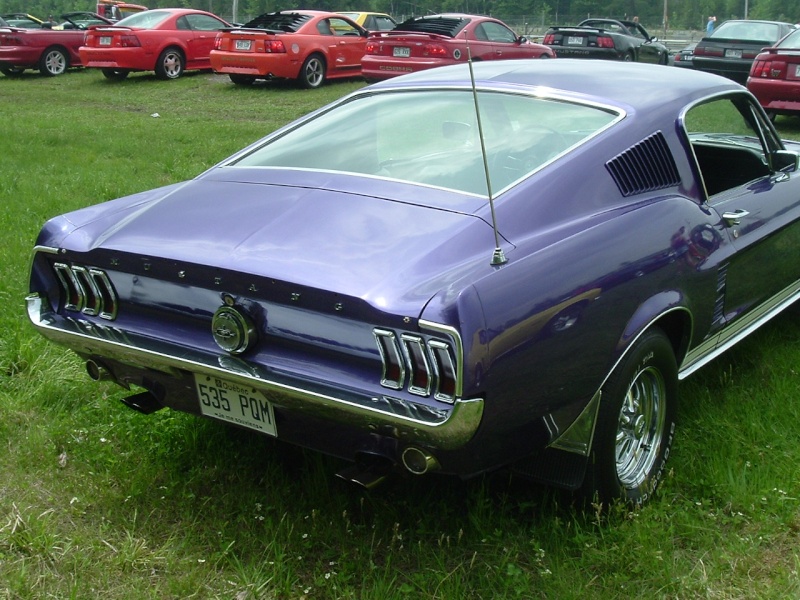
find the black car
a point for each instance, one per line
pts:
(607, 39)
(733, 46)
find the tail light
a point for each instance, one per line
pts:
(425, 367)
(372, 48)
(274, 47)
(434, 50)
(604, 41)
(218, 41)
(129, 41)
(549, 39)
(769, 69)
(12, 40)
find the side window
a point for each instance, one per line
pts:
(183, 24)
(730, 142)
(342, 27)
(497, 33)
(204, 23)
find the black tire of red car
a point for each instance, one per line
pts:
(115, 74)
(635, 424)
(53, 61)
(312, 73)
(12, 71)
(170, 64)
(242, 79)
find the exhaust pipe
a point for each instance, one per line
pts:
(368, 471)
(143, 402)
(419, 461)
(98, 371)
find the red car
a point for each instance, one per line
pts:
(168, 41)
(307, 45)
(775, 77)
(432, 41)
(51, 51)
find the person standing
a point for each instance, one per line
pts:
(710, 25)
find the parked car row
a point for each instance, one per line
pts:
(763, 55)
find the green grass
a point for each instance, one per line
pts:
(100, 501)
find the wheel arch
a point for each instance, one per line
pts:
(666, 310)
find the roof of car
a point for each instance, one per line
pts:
(635, 85)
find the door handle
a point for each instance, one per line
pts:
(734, 217)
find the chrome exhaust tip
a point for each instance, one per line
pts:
(419, 461)
(97, 371)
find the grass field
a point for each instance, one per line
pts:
(97, 501)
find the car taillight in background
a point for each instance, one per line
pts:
(549, 39)
(434, 50)
(12, 39)
(274, 47)
(604, 41)
(769, 69)
(129, 41)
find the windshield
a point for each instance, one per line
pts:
(430, 137)
(146, 20)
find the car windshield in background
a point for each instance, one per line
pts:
(146, 20)
(748, 31)
(431, 138)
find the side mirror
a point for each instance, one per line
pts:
(522, 40)
(784, 160)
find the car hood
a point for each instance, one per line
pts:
(387, 252)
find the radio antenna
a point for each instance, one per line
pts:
(498, 256)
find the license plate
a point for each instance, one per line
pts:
(243, 44)
(733, 54)
(235, 403)
(574, 41)
(105, 40)
(401, 52)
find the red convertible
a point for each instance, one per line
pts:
(307, 45)
(51, 51)
(167, 41)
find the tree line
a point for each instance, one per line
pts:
(529, 15)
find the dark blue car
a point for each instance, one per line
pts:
(397, 282)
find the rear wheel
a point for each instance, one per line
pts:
(635, 423)
(54, 61)
(115, 74)
(312, 73)
(242, 79)
(628, 57)
(170, 64)
(12, 71)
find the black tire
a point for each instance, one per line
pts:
(242, 79)
(629, 57)
(635, 424)
(12, 71)
(53, 61)
(115, 74)
(170, 64)
(312, 73)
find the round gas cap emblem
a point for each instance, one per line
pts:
(233, 331)
(457, 54)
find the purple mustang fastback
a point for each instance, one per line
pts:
(396, 281)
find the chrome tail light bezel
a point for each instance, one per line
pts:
(87, 290)
(424, 366)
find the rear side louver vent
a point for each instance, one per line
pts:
(645, 167)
